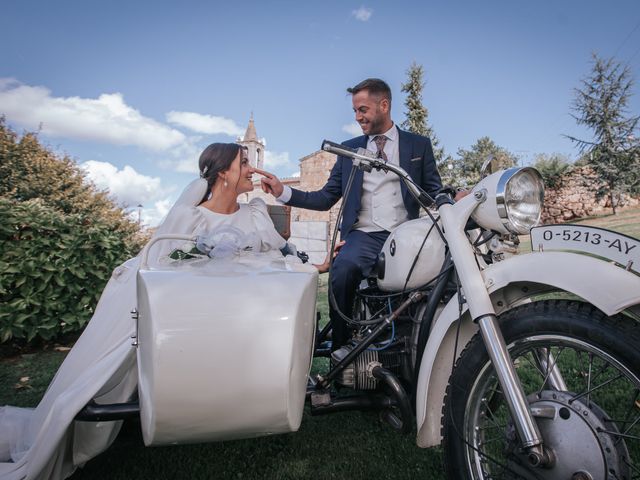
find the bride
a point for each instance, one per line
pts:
(46, 442)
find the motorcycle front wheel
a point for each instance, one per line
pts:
(580, 371)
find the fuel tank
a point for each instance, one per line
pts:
(411, 256)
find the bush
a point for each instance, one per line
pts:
(59, 240)
(52, 269)
(552, 168)
(467, 167)
(29, 170)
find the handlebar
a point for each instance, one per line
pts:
(343, 150)
(366, 159)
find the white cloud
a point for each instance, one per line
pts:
(127, 186)
(105, 119)
(130, 188)
(362, 14)
(276, 160)
(295, 174)
(7, 82)
(209, 124)
(154, 215)
(162, 207)
(184, 165)
(352, 129)
(184, 158)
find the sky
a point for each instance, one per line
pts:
(134, 90)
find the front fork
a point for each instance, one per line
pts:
(454, 218)
(526, 426)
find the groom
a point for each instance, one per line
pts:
(377, 203)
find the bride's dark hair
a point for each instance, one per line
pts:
(216, 158)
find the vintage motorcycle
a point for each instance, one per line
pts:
(521, 366)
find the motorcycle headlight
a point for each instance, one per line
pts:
(514, 201)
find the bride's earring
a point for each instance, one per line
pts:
(225, 184)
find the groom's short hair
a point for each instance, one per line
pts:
(374, 86)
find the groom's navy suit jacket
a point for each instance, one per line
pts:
(416, 158)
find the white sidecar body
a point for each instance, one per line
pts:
(224, 347)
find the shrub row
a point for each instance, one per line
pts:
(53, 267)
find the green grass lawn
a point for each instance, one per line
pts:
(344, 445)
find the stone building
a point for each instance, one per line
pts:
(254, 146)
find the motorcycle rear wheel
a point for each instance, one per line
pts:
(592, 427)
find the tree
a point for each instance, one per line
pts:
(469, 163)
(551, 167)
(601, 104)
(60, 239)
(30, 171)
(416, 116)
(450, 172)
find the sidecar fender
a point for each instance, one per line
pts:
(513, 282)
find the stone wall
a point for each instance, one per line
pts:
(575, 197)
(314, 172)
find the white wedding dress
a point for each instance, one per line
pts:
(46, 442)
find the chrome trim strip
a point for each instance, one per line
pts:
(501, 188)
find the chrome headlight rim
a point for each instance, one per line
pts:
(501, 200)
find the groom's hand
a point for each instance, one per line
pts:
(270, 183)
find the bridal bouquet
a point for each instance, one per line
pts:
(186, 251)
(225, 242)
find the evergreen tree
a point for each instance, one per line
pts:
(450, 173)
(601, 104)
(416, 116)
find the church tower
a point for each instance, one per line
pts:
(254, 146)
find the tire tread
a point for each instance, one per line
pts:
(542, 316)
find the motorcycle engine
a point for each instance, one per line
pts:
(358, 375)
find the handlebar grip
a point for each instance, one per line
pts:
(333, 147)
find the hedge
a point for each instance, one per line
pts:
(53, 267)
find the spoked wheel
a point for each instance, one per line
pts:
(581, 373)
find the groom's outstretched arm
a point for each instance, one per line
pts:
(322, 199)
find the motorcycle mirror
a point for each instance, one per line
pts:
(487, 166)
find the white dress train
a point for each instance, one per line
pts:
(46, 442)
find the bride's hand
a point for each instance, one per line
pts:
(324, 267)
(270, 183)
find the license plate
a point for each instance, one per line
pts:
(604, 243)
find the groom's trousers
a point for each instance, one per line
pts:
(354, 262)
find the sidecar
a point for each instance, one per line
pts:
(224, 347)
